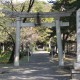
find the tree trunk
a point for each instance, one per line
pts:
(65, 36)
(3, 48)
(63, 41)
(11, 59)
(29, 8)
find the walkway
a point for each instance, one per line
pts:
(38, 68)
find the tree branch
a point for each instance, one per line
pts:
(23, 8)
(29, 8)
(12, 6)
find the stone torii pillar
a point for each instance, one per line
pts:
(18, 24)
(77, 64)
(59, 42)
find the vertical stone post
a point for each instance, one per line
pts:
(78, 35)
(16, 57)
(59, 42)
(50, 43)
(77, 64)
(76, 70)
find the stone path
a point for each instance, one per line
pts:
(38, 68)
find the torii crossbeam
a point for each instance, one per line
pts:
(14, 14)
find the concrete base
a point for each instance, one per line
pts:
(74, 79)
(76, 74)
(77, 66)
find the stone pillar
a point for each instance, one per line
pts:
(16, 57)
(59, 42)
(50, 43)
(77, 65)
(3, 48)
(76, 70)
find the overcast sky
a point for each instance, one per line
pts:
(25, 0)
(47, 0)
(40, 0)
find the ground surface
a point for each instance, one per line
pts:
(40, 67)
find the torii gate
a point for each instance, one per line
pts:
(55, 15)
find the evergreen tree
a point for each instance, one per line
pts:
(66, 5)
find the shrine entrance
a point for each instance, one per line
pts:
(57, 23)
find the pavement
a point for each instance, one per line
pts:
(39, 67)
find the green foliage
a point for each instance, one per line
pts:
(27, 34)
(68, 32)
(4, 57)
(67, 4)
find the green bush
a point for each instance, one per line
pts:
(4, 57)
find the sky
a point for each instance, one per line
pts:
(21, 1)
(39, 0)
(47, 0)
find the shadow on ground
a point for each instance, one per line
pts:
(40, 67)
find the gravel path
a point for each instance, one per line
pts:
(38, 68)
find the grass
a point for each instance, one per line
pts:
(4, 57)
